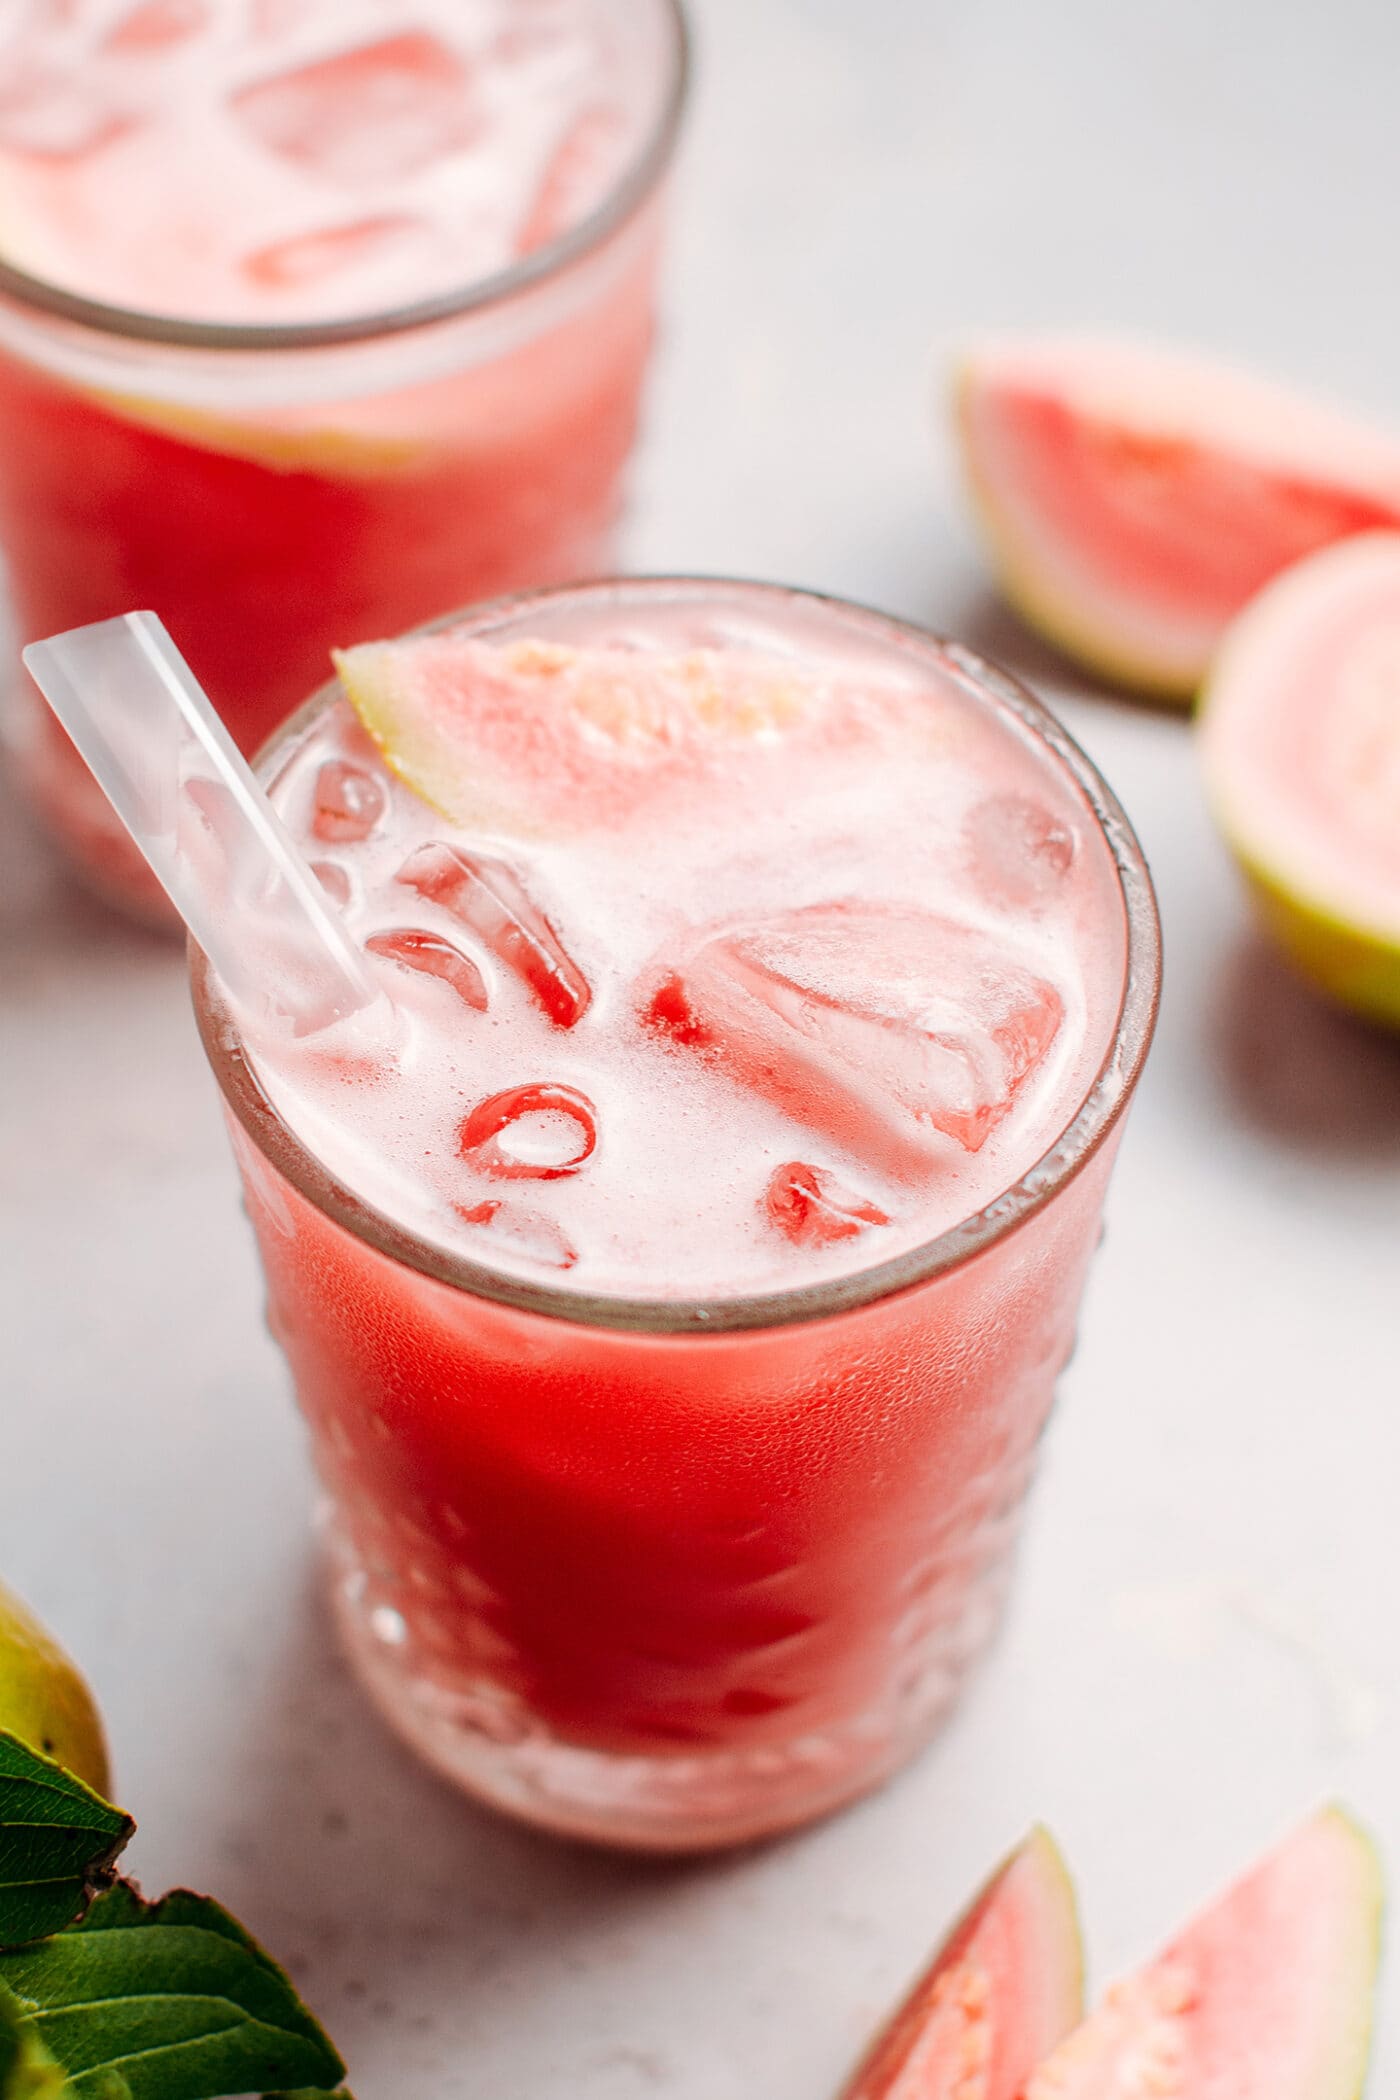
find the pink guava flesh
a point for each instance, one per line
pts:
(537, 736)
(1135, 499)
(1265, 1996)
(1002, 1991)
(1300, 736)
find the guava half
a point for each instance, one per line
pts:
(1265, 1996)
(1003, 1990)
(44, 1699)
(1300, 742)
(1135, 498)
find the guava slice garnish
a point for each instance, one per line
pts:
(1134, 498)
(1002, 1992)
(1300, 743)
(365, 445)
(44, 1699)
(1265, 1996)
(532, 736)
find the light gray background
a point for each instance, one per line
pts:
(1205, 1638)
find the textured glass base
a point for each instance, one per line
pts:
(484, 1741)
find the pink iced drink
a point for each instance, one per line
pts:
(677, 1305)
(849, 923)
(301, 160)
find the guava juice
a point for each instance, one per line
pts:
(676, 1298)
(315, 316)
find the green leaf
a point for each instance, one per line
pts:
(167, 2001)
(58, 1840)
(27, 2071)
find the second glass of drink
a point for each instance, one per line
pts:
(315, 316)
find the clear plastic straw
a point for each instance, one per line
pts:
(222, 854)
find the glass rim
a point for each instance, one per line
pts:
(1075, 1144)
(623, 201)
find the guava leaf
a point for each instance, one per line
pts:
(58, 1840)
(27, 2071)
(166, 2001)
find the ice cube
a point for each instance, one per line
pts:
(332, 251)
(520, 1231)
(536, 1132)
(574, 179)
(527, 33)
(333, 880)
(374, 114)
(434, 957)
(814, 1208)
(879, 1026)
(348, 803)
(156, 25)
(274, 18)
(59, 116)
(1019, 852)
(490, 900)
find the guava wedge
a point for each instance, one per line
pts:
(1004, 1989)
(44, 1699)
(286, 443)
(1135, 498)
(1300, 743)
(534, 736)
(1265, 1996)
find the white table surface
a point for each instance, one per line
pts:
(1206, 1636)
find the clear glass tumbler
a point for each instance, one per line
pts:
(672, 1574)
(274, 490)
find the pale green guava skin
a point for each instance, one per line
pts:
(44, 1699)
(1359, 971)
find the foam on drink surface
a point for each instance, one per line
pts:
(267, 160)
(819, 988)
